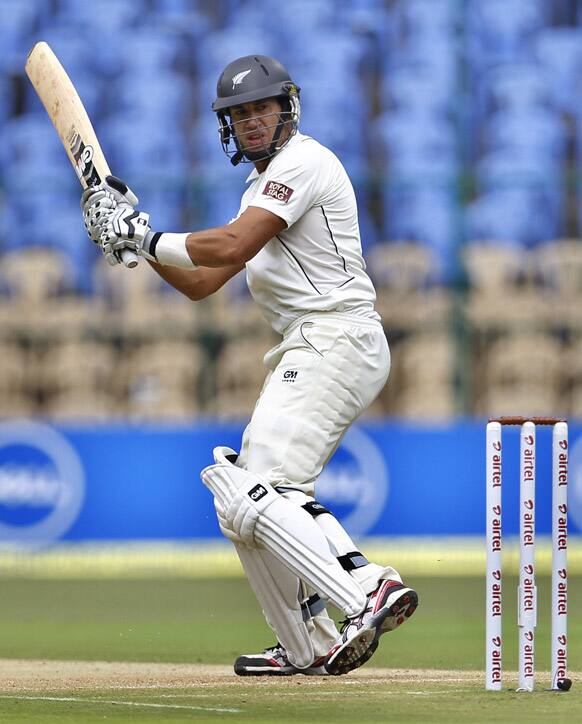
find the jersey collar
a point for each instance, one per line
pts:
(297, 138)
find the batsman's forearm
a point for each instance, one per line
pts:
(187, 282)
(211, 248)
(198, 283)
(216, 247)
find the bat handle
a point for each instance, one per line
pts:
(129, 259)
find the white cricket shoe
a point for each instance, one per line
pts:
(274, 662)
(389, 606)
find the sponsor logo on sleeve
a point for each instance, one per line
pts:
(278, 191)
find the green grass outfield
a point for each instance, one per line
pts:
(428, 670)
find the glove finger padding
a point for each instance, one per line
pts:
(111, 219)
(110, 194)
(122, 228)
(96, 217)
(121, 190)
(126, 227)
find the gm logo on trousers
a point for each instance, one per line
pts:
(42, 484)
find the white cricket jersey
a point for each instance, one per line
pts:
(316, 263)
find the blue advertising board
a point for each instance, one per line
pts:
(119, 483)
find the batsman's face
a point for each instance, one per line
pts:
(254, 123)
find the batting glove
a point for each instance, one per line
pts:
(122, 228)
(112, 221)
(108, 195)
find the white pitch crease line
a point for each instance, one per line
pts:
(120, 703)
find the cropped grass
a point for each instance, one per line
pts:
(211, 621)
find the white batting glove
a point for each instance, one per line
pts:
(108, 195)
(122, 228)
(111, 220)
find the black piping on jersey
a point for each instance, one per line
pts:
(344, 283)
(332, 239)
(298, 263)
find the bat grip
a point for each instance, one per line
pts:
(129, 259)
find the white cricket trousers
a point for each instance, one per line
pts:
(325, 372)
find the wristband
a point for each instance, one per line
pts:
(169, 249)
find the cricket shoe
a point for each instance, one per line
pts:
(390, 605)
(274, 662)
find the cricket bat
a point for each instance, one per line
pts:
(69, 117)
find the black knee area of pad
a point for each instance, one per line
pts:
(314, 508)
(353, 560)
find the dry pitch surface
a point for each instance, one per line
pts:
(77, 692)
(20, 675)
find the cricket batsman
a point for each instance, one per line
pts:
(297, 238)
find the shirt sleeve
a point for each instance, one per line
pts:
(292, 184)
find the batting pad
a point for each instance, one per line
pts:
(255, 512)
(277, 590)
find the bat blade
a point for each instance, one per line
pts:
(69, 117)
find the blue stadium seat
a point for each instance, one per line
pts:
(501, 31)
(341, 59)
(255, 16)
(161, 97)
(204, 141)
(30, 138)
(559, 50)
(91, 89)
(417, 88)
(515, 85)
(579, 143)
(521, 175)
(164, 199)
(18, 23)
(319, 97)
(345, 137)
(537, 132)
(219, 48)
(417, 143)
(502, 169)
(49, 217)
(113, 15)
(188, 15)
(369, 233)
(301, 15)
(165, 50)
(366, 17)
(19, 18)
(435, 17)
(134, 147)
(517, 215)
(177, 7)
(221, 188)
(428, 215)
(8, 94)
(74, 52)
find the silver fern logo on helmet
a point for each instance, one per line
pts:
(239, 77)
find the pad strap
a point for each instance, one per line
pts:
(315, 508)
(312, 607)
(353, 560)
